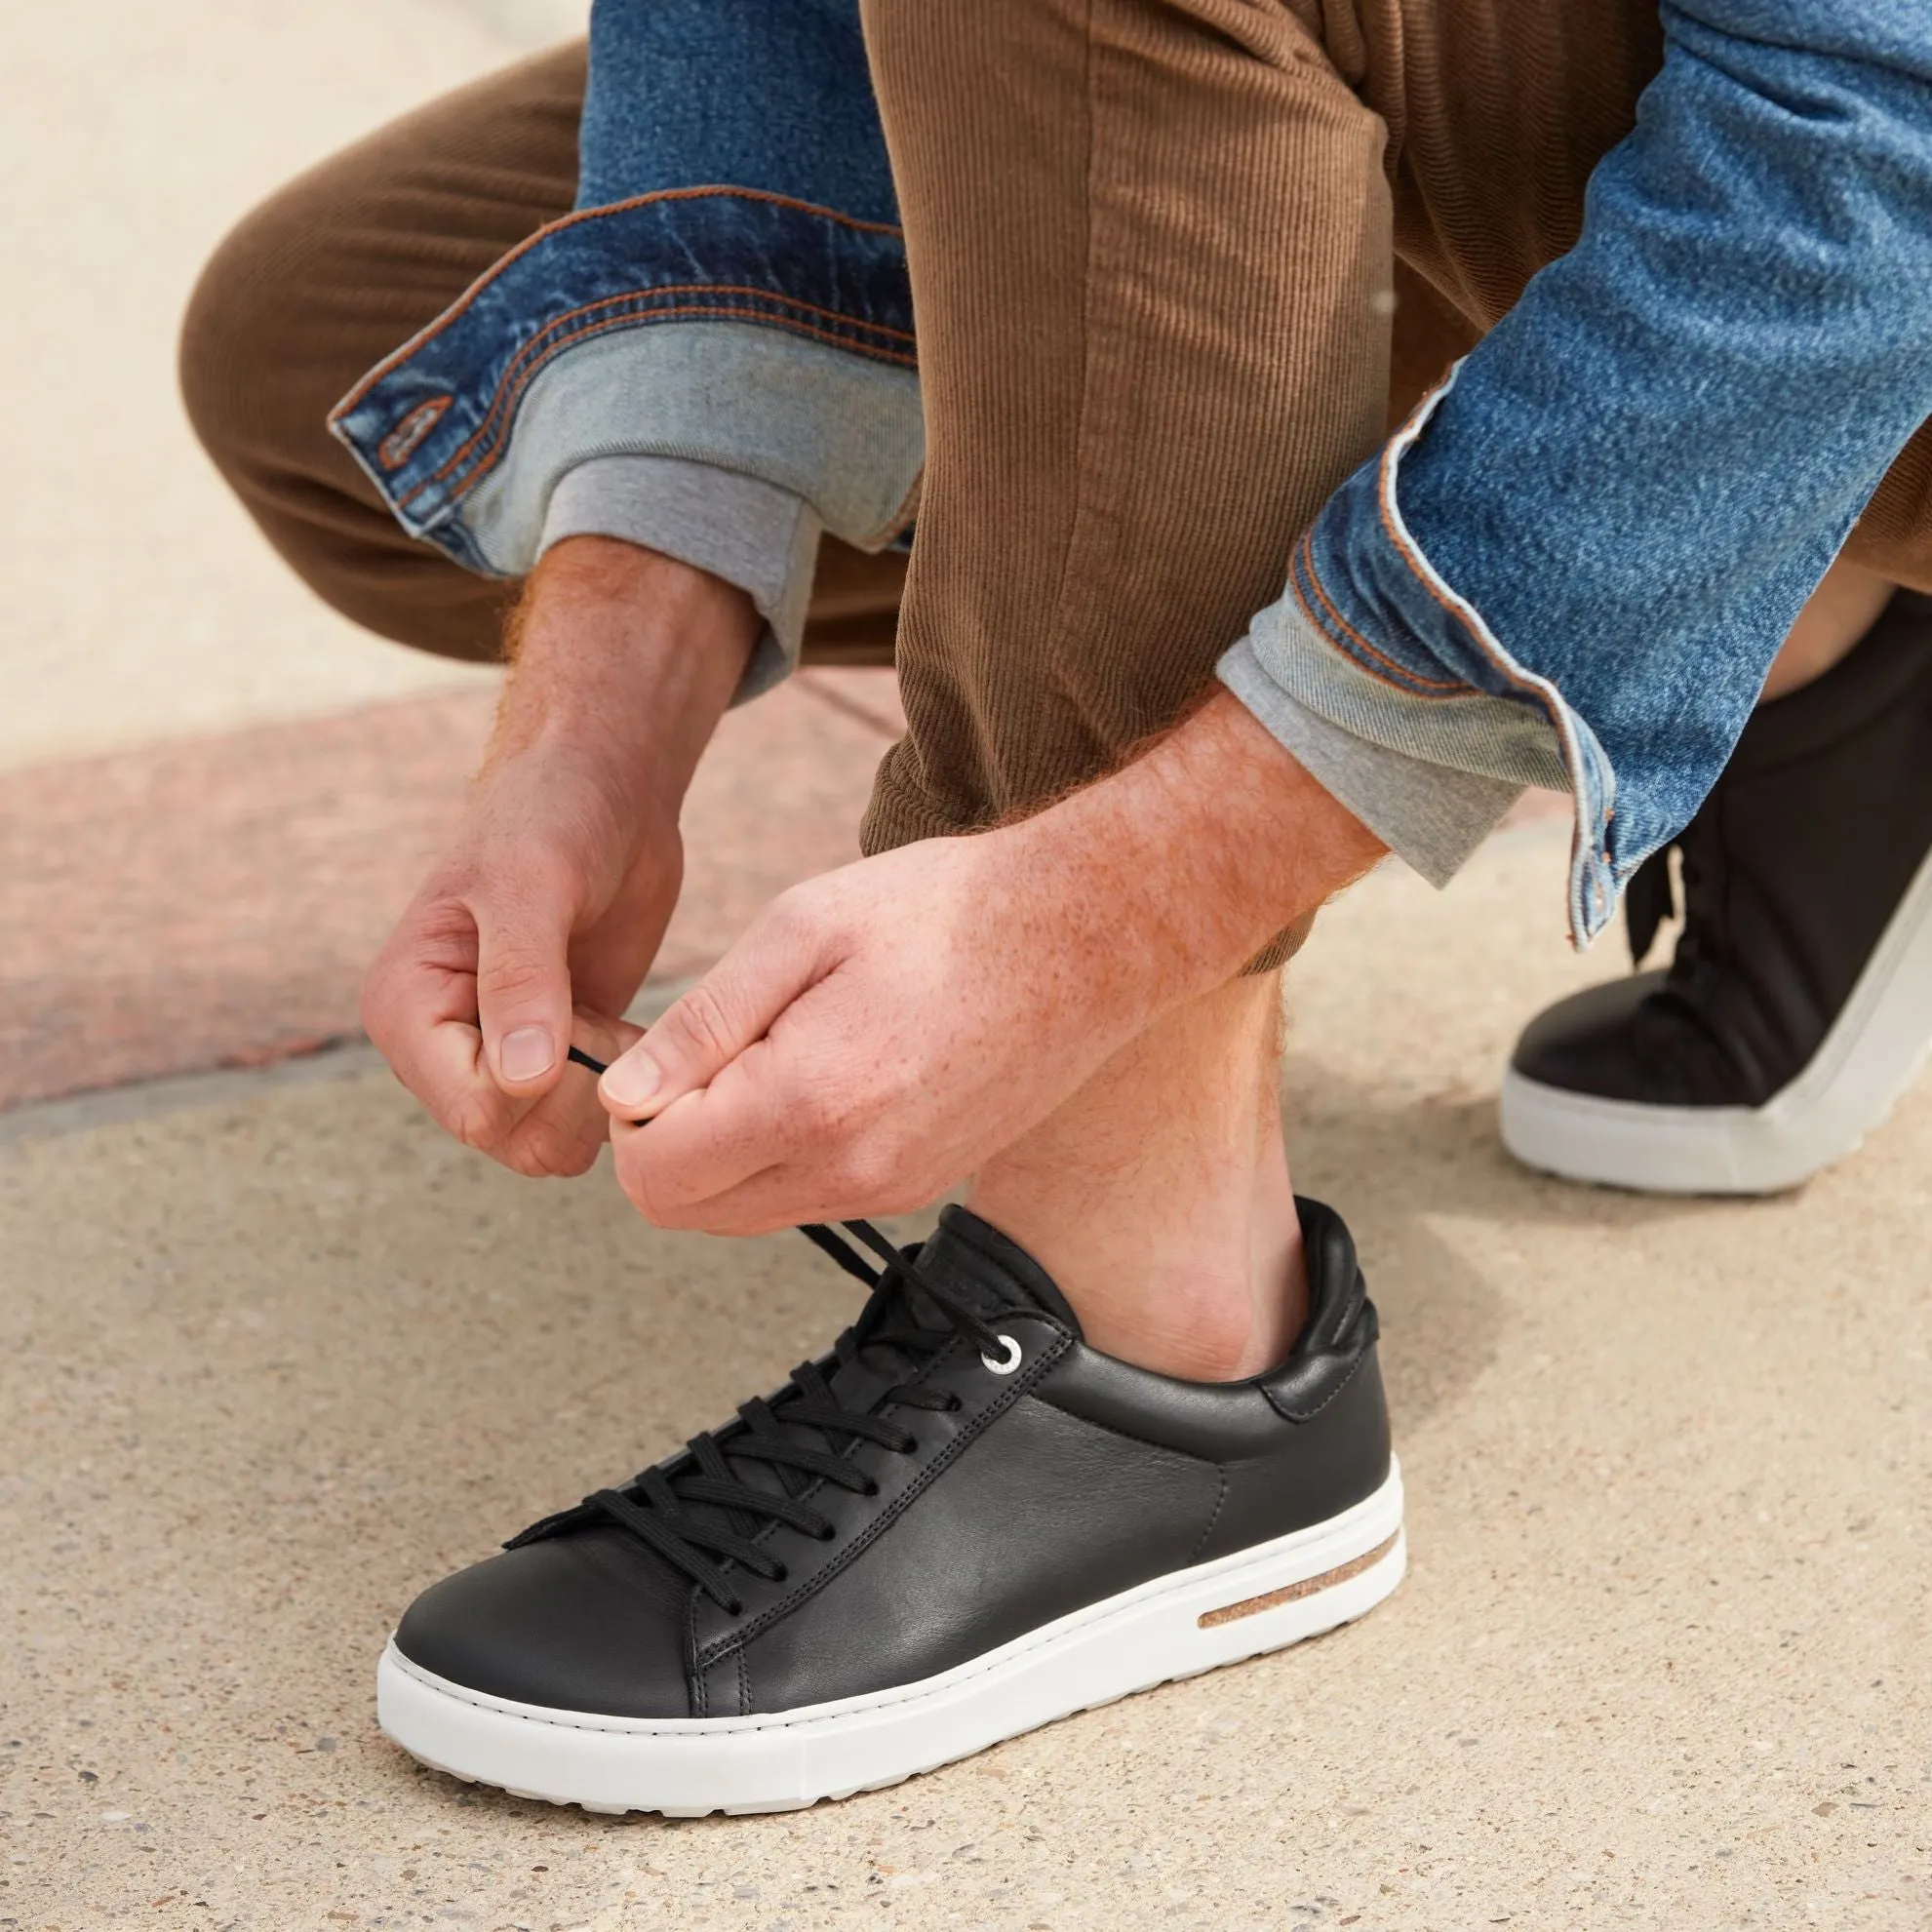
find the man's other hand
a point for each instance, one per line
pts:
(536, 930)
(880, 1032)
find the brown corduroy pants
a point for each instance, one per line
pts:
(1157, 248)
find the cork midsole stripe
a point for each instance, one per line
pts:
(1293, 1593)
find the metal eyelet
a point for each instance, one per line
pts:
(1011, 1362)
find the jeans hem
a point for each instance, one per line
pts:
(672, 324)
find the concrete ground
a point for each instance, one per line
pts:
(272, 1362)
(273, 1355)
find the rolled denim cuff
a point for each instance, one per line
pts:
(1429, 811)
(1371, 644)
(761, 539)
(790, 362)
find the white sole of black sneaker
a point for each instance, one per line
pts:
(1875, 1050)
(1177, 1626)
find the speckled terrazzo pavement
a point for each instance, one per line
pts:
(1662, 1659)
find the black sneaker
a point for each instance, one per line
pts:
(1798, 1006)
(959, 1525)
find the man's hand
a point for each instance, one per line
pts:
(880, 1032)
(537, 928)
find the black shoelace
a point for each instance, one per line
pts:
(705, 1515)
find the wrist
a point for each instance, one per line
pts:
(1181, 866)
(626, 658)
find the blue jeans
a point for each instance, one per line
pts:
(1572, 567)
(1602, 528)
(732, 293)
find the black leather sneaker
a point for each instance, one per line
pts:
(1798, 1006)
(959, 1525)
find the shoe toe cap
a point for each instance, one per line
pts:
(1626, 1039)
(589, 1622)
(1583, 1043)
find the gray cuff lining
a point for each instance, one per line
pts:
(1433, 816)
(751, 534)
(835, 428)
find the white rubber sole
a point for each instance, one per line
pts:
(1874, 1052)
(1194, 1620)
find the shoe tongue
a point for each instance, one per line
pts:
(973, 1260)
(966, 1257)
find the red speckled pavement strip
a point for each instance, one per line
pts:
(213, 902)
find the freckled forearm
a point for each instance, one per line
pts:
(629, 657)
(1179, 868)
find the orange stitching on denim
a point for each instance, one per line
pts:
(1384, 485)
(688, 311)
(1385, 505)
(1304, 555)
(488, 462)
(1321, 630)
(401, 443)
(719, 288)
(544, 343)
(549, 228)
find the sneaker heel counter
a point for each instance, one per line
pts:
(1334, 1455)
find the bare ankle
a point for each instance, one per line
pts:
(1159, 1197)
(1200, 1330)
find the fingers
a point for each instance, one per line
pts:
(705, 1143)
(604, 1039)
(800, 1126)
(564, 1131)
(443, 1067)
(761, 1204)
(420, 1009)
(560, 882)
(522, 981)
(418, 1006)
(750, 1153)
(724, 1015)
